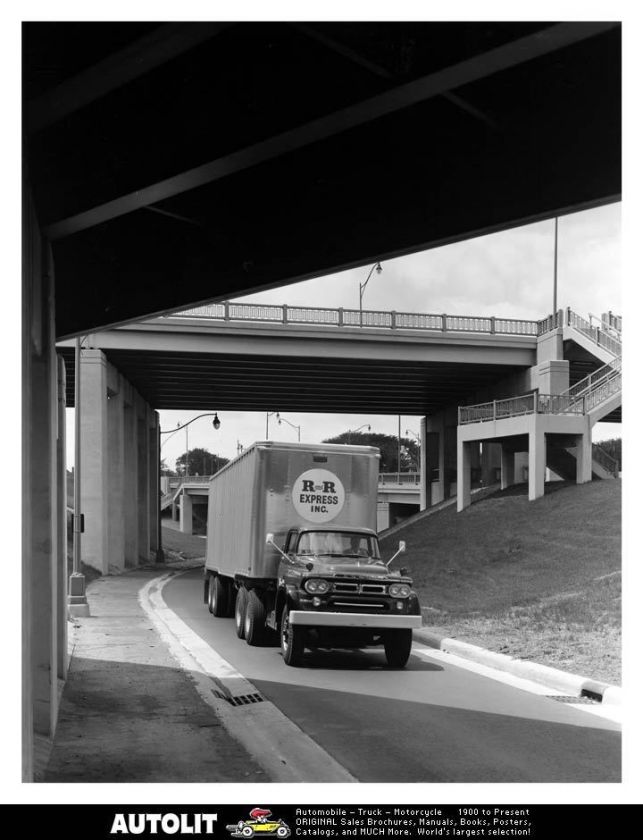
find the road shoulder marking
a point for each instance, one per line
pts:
(279, 746)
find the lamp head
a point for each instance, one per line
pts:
(216, 422)
(378, 268)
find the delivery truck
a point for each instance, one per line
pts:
(292, 552)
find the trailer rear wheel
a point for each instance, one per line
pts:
(240, 611)
(218, 597)
(397, 644)
(255, 621)
(292, 640)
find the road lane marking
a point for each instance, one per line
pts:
(278, 745)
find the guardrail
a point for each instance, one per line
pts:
(606, 336)
(608, 371)
(401, 478)
(380, 319)
(605, 460)
(532, 403)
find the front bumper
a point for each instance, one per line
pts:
(310, 618)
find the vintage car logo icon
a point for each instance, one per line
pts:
(260, 824)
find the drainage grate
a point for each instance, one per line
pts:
(562, 698)
(240, 700)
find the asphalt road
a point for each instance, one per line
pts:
(432, 722)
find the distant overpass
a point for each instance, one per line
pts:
(246, 357)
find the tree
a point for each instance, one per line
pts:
(200, 462)
(387, 444)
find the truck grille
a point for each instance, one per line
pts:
(363, 589)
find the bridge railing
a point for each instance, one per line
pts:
(399, 478)
(379, 319)
(532, 403)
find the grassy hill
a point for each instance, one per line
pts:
(537, 580)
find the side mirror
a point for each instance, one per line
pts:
(269, 538)
(400, 550)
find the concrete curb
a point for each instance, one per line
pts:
(572, 684)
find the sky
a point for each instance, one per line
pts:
(508, 274)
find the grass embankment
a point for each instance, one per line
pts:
(536, 580)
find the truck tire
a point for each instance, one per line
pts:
(240, 611)
(218, 597)
(255, 621)
(397, 645)
(292, 641)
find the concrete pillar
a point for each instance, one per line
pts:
(116, 473)
(507, 477)
(130, 479)
(425, 484)
(584, 458)
(42, 520)
(489, 463)
(62, 564)
(154, 486)
(142, 506)
(536, 461)
(383, 516)
(186, 513)
(94, 459)
(553, 377)
(549, 346)
(464, 475)
(434, 458)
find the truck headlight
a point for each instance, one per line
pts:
(399, 590)
(316, 586)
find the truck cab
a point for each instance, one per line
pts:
(335, 591)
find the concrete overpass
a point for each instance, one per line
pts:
(175, 164)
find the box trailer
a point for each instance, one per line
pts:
(292, 552)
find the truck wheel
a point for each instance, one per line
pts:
(218, 597)
(255, 623)
(292, 641)
(397, 644)
(240, 611)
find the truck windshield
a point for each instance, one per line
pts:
(338, 544)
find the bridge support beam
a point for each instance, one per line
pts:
(507, 467)
(464, 474)
(120, 484)
(44, 542)
(536, 460)
(186, 513)
(584, 458)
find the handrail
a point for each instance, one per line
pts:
(602, 336)
(595, 334)
(404, 478)
(605, 459)
(609, 370)
(379, 319)
(535, 403)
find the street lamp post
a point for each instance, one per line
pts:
(283, 419)
(359, 428)
(268, 415)
(216, 423)
(377, 267)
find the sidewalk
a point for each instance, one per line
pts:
(128, 713)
